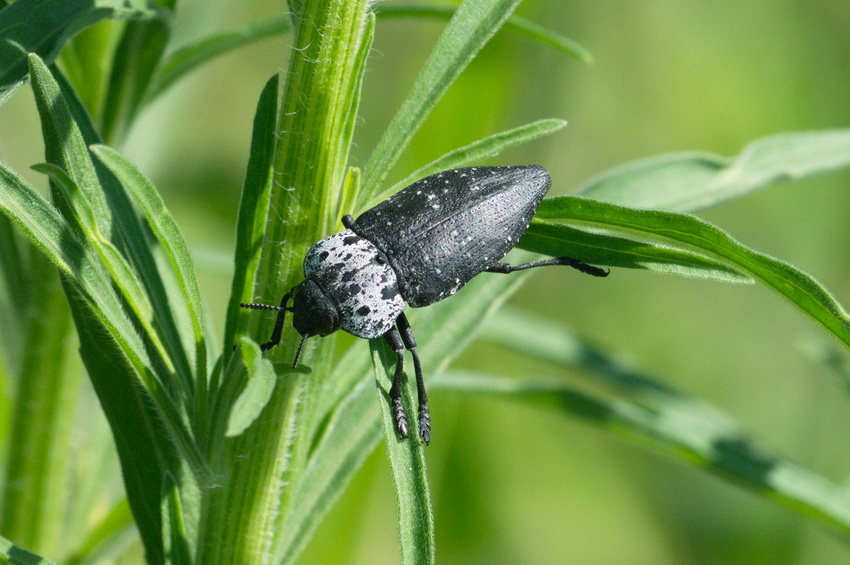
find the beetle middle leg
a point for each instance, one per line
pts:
(506, 268)
(399, 339)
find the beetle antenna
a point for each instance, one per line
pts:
(298, 353)
(258, 306)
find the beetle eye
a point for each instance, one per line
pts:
(327, 325)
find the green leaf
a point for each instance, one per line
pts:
(642, 252)
(688, 430)
(43, 26)
(146, 421)
(473, 24)
(688, 232)
(407, 465)
(686, 182)
(169, 235)
(119, 269)
(11, 554)
(136, 58)
(475, 152)
(65, 147)
(515, 24)
(253, 207)
(191, 56)
(128, 233)
(258, 389)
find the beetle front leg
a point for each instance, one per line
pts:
(506, 268)
(278, 324)
(410, 343)
(394, 340)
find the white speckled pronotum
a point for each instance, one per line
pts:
(419, 246)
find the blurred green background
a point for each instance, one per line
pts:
(511, 484)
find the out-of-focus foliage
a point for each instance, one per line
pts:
(514, 484)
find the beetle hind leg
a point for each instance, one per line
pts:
(577, 264)
(401, 338)
(424, 419)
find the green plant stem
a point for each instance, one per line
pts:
(243, 517)
(35, 497)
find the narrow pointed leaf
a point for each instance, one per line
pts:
(169, 235)
(191, 56)
(687, 182)
(476, 152)
(407, 465)
(64, 145)
(515, 24)
(630, 250)
(696, 433)
(473, 24)
(689, 232)
(112, 350)
(253, 207)
(65, 113)
(258, 389)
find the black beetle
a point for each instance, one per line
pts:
(419, 246)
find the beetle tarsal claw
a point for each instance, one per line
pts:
(424, 424)
(400, 418)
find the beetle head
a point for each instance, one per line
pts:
(313, 313)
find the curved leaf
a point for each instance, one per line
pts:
(169, 235)
(689, 233)
(691, 431)
(515, 24)
(475, 152)
(191, 56)
(253, 207)
(43, 27)
(686, 182)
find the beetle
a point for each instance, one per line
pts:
(419, 246)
